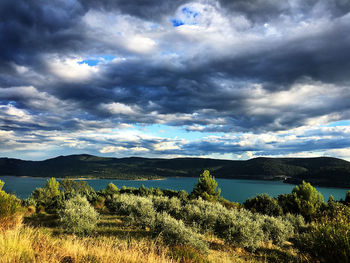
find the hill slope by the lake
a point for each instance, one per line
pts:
(323, 171)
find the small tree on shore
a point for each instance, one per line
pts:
(307, 199)
(206, 188)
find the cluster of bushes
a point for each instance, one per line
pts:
(183, 219)
(328, 237)
(185, 223)
(304, 200)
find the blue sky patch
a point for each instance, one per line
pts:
(177, 22)
(166, 131)
(186, 17)
(339, 123)
(94, 60)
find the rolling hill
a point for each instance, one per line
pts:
(325, 171)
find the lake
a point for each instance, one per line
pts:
(232, 189)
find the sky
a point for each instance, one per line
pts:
(228, 79)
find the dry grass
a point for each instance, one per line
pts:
(41, 240)
(26, 244)
(11, 221)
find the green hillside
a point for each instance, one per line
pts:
(324, 171)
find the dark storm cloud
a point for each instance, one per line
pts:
(30, 27)
(145, 9)
(266, 10)
(269, 66)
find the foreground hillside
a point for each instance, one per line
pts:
(68, 221)
(324, 171)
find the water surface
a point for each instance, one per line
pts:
(232, 189)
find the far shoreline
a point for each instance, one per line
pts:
(164, 178)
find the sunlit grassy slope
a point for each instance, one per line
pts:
(40, 240)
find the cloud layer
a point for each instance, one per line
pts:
(227, 79)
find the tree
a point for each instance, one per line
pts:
(52, 187)
(72, 188)
(1, 184)
(111, 189)
(206, 188)
(307, 199)
(49, 197)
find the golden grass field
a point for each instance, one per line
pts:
(38, 239)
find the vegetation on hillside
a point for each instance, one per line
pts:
(77, 224)
(323, 171)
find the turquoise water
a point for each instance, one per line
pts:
(231, 189)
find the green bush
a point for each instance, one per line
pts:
(139, 210)
(172, 205)
(9, 205)
(175, 232)
(144, 191)
(240, 228)
(202, 214)
(297, 222)
(277, 230)
(78, 216)
(329, 241)
(264, 204)
(183, 196)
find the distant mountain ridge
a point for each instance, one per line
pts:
(324, 171)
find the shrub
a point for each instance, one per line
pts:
(139, 210)
(264, 204)
(347, 197)
(183, 196)
(157, 192)
(202, 214)
(228, 204)
(240, 228)
(277, 230)
(10, 207)
(170, 205)
(206, 188)
(248, 230)
(1, 184)
(288, 204)
(100, 203)
(297, 222)
(78, 216)
(329, 237)
(174, 232)
(143, 191)
(328, 240)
